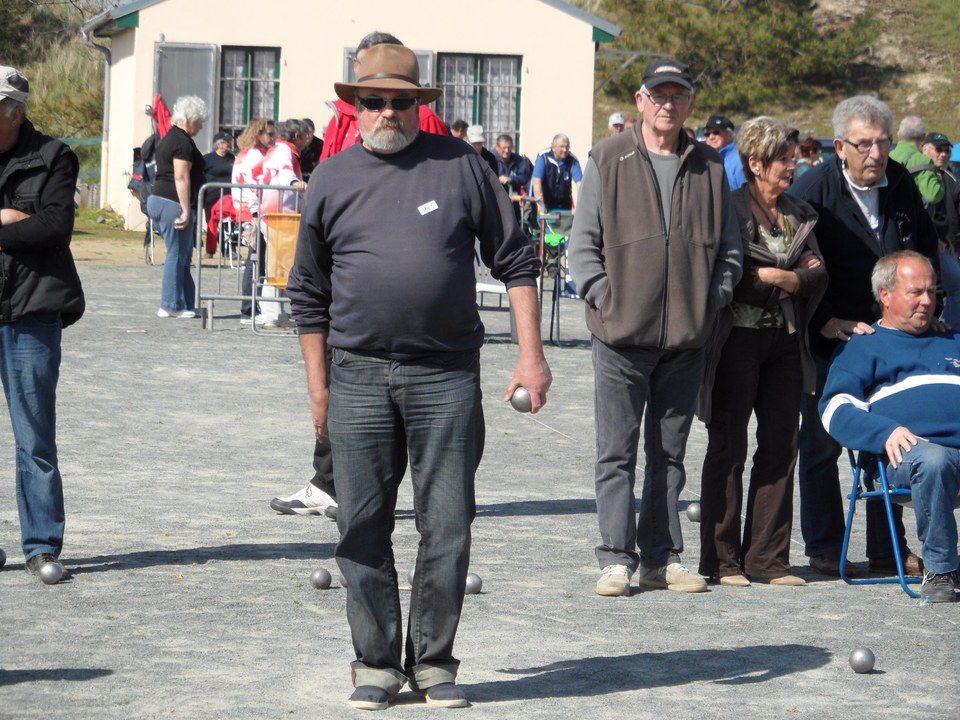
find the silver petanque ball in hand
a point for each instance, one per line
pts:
(521, 400)
(320, 578)
(862, 660)
(474, 584)
(693, 512)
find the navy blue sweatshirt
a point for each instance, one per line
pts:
(385, 259)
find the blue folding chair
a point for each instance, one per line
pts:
(867, 470)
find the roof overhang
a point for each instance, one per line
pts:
(116, 20)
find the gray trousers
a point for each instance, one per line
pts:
(665, 383)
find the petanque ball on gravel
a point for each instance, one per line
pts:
(3, 558)
(320, 579)
(474, 583)
(693, 512)
(50, 573)
(862, 660)
(521, 400)
(413, 571)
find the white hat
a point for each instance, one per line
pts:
(13, 84)
(617, 119)
(475, 133)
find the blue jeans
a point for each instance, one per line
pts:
(30, 368)
(178, 292)
(932, 473)
(381, 412)
(822, 519)
(666, 383)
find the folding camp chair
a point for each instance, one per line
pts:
(868, 469)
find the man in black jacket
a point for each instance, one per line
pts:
(40, 294)
(868, 208)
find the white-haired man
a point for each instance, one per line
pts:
(868, 207)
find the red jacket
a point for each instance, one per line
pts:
(343, 131)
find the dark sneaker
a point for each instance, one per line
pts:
(939, 588)
(370, 697)
(50, 570)
(446, 695)
(309, 501)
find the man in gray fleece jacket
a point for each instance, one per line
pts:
(655, 251)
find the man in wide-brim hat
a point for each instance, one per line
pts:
(384, 276)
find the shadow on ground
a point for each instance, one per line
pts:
(200, 555)
(583, 677)
(13, 677)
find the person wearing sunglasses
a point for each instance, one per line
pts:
(938, 148)
(868, 207)
(342, 130)
(655, 252)
(719, 135)
(384, 277)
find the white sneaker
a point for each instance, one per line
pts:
(185, 314)
(164, 313)
(672, 577)
(309, 501)
(259, 320)
(614, 580)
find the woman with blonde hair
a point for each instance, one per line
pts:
(760, 364)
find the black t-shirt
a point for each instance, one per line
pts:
(176, 144)
(218, 168)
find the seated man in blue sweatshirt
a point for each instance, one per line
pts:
(895, 392)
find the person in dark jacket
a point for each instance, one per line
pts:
(867, 207)
(763, 364)
(40, 294)
(656, 253)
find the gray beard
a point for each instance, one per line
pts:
(388, 139)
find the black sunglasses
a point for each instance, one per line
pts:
(374, 103)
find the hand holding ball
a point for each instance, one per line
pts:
(521, 400)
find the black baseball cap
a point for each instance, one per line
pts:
(667, 71)
(719, 122)
(936, 139)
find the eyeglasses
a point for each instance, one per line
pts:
(677, 100)
(375, 103)
(708, 133)
(864, 146)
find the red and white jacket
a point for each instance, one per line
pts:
(280, 166)
(246, 201)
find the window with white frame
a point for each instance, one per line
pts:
(249, 86)
(481, 89)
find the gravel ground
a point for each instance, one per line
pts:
(190, 598)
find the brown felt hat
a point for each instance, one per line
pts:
(388, 67)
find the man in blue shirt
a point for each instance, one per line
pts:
(894, 391)
(719, 132)
(557, 175)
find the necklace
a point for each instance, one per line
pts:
(775, 229)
